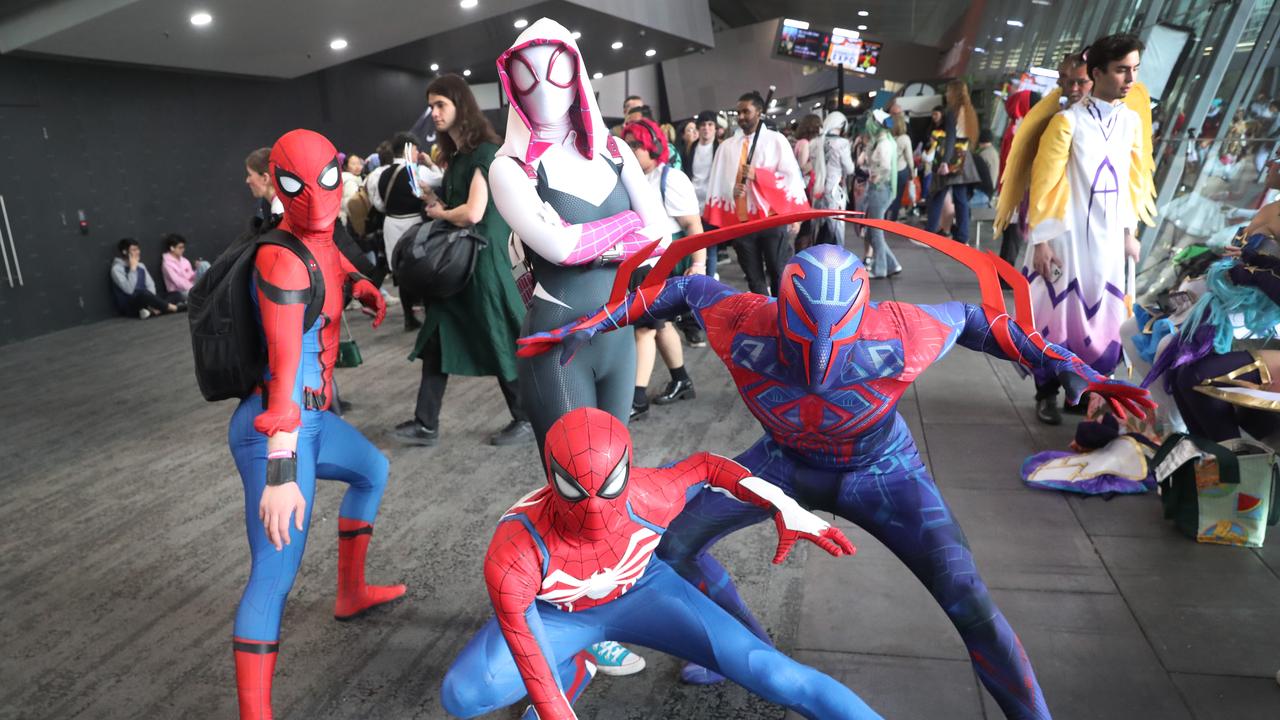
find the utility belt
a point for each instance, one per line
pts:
(311, 399)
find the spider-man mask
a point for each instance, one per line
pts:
(821, 302)
(307, 176)
(588, 462)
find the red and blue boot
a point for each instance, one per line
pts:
(354, 596)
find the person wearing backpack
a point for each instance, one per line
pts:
(648, 142)
(287, 287)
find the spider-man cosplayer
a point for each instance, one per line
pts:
(822, 368)
(580, 204)
(572, 564)
(283, 435)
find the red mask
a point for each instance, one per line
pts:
(308, 177)
(588, 463)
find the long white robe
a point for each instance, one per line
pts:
(1082, 202)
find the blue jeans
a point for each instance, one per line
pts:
(884, 261)
(960, 198)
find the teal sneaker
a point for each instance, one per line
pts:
(614, 659)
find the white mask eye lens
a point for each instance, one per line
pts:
(616, 481)
(289, 185)
(567, 490)
(329, 179)
(561, 69)
(523, 79)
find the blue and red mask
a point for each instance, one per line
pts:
(821, 302)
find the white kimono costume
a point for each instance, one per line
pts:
(778, 186)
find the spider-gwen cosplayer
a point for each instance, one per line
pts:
(283, 435)
(580, 205)
(822, 368)
(572, 564)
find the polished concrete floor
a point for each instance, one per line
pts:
(124, 552)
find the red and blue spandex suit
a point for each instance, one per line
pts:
(294, 397)
(572, 564)
(822, 369)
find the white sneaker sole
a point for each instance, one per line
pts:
(634, 665)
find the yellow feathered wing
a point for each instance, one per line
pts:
(1142, 167)
(1016, 173)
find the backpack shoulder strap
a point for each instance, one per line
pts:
(315, 301)
(662, 184)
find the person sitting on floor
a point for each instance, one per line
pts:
(132, 286)
(179, 274)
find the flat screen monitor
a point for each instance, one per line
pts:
(854, 53)
(797, 41)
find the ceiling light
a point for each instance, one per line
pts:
(817, 105)
(337, 44)
(201, 19)
(576, 34)
(521, 23)
(999, 39)
(435, 67)
(862, 27)
(617, 45)
(597, 76)
(980, 51)
(468, 4)
(1046, 3)
(466, 73)
(863, 13)
(789, 110)
(1013, 23)
(871, 94)
(650, 52)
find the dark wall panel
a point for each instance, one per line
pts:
(148, 152)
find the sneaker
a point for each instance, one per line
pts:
(143, 314)
(695, 674)
(614, 659)
(388, 298)
(516, 432)
(1047, 411)
(415, 433)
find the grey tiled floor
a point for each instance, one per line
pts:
(124, 555)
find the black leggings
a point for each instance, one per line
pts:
(431, 389)
(1210, 417)
(144, 300)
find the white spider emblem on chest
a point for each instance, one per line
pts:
(563, 590)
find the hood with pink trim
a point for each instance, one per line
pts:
(588, 125)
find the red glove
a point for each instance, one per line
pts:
(810, 528)
(1124, 398)
(369, 296)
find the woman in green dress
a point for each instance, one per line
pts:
(473, 332)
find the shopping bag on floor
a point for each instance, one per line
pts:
(1223, 494)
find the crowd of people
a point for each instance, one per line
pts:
(559, 202)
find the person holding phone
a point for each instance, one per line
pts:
(132, 286)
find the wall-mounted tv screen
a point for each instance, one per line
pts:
(853, 53)
(797, 41)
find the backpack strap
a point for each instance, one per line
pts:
(313, 296)
(662, 184)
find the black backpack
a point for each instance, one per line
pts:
(225, 334)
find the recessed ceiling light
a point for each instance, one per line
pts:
(468, 4)
(1013, 23)
(871, 94)
(466, 73)
(863, 13)
(617, 45)
(862, 27)
(201, 19)
(817, 105)
(650, 52)
(337, 44)
(980, 51)
(435, 67)
(521, 23)
(999, 38)
(576, 34)
(597, 76)
(789, 111)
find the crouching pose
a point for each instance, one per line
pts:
(822, 368)
(572, 564)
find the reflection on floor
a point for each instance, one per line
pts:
(124, 552)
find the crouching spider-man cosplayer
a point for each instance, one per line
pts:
(572, 564)
(821, 368)
(283, 435)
